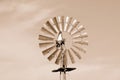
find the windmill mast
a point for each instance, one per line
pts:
(64, 66)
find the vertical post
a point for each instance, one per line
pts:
(63, 76)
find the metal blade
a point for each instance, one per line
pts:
(41, 37)
(56, 23)
(79, 48)
(65, 58)
(53, 24)
(52, 55)
(74, 25)
(84, 35)
(71, 57)
(79, 29)
(46, 51)
(47, 31)
(62, 18)
(50, 26)
(68, 22)
(61, 22)
(59, 57)
(45, 44)
(82, 42)
(76, 53)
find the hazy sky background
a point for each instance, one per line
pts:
(20, 22)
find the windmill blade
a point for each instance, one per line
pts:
(54, 25)
(79, 29)
(74, 25)
(68, 23)
(61, 22)
(82, 42)
(76, 53)
(55, 22)
(46, 51)
(71, 57)
(41, 37)
(59, 57)
(79, 48)
(45, 30)
(52, 55)
(65, 58)
(51, 27)
(84, 35)
(62, 18)
(45, 44)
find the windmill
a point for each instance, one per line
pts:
(61, 39)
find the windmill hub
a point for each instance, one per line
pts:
(64, 38)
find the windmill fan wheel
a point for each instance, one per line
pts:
(62, 31)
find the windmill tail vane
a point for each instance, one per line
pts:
(62, 37)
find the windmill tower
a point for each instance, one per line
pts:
(61, 39)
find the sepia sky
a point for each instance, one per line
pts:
(20, 55)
